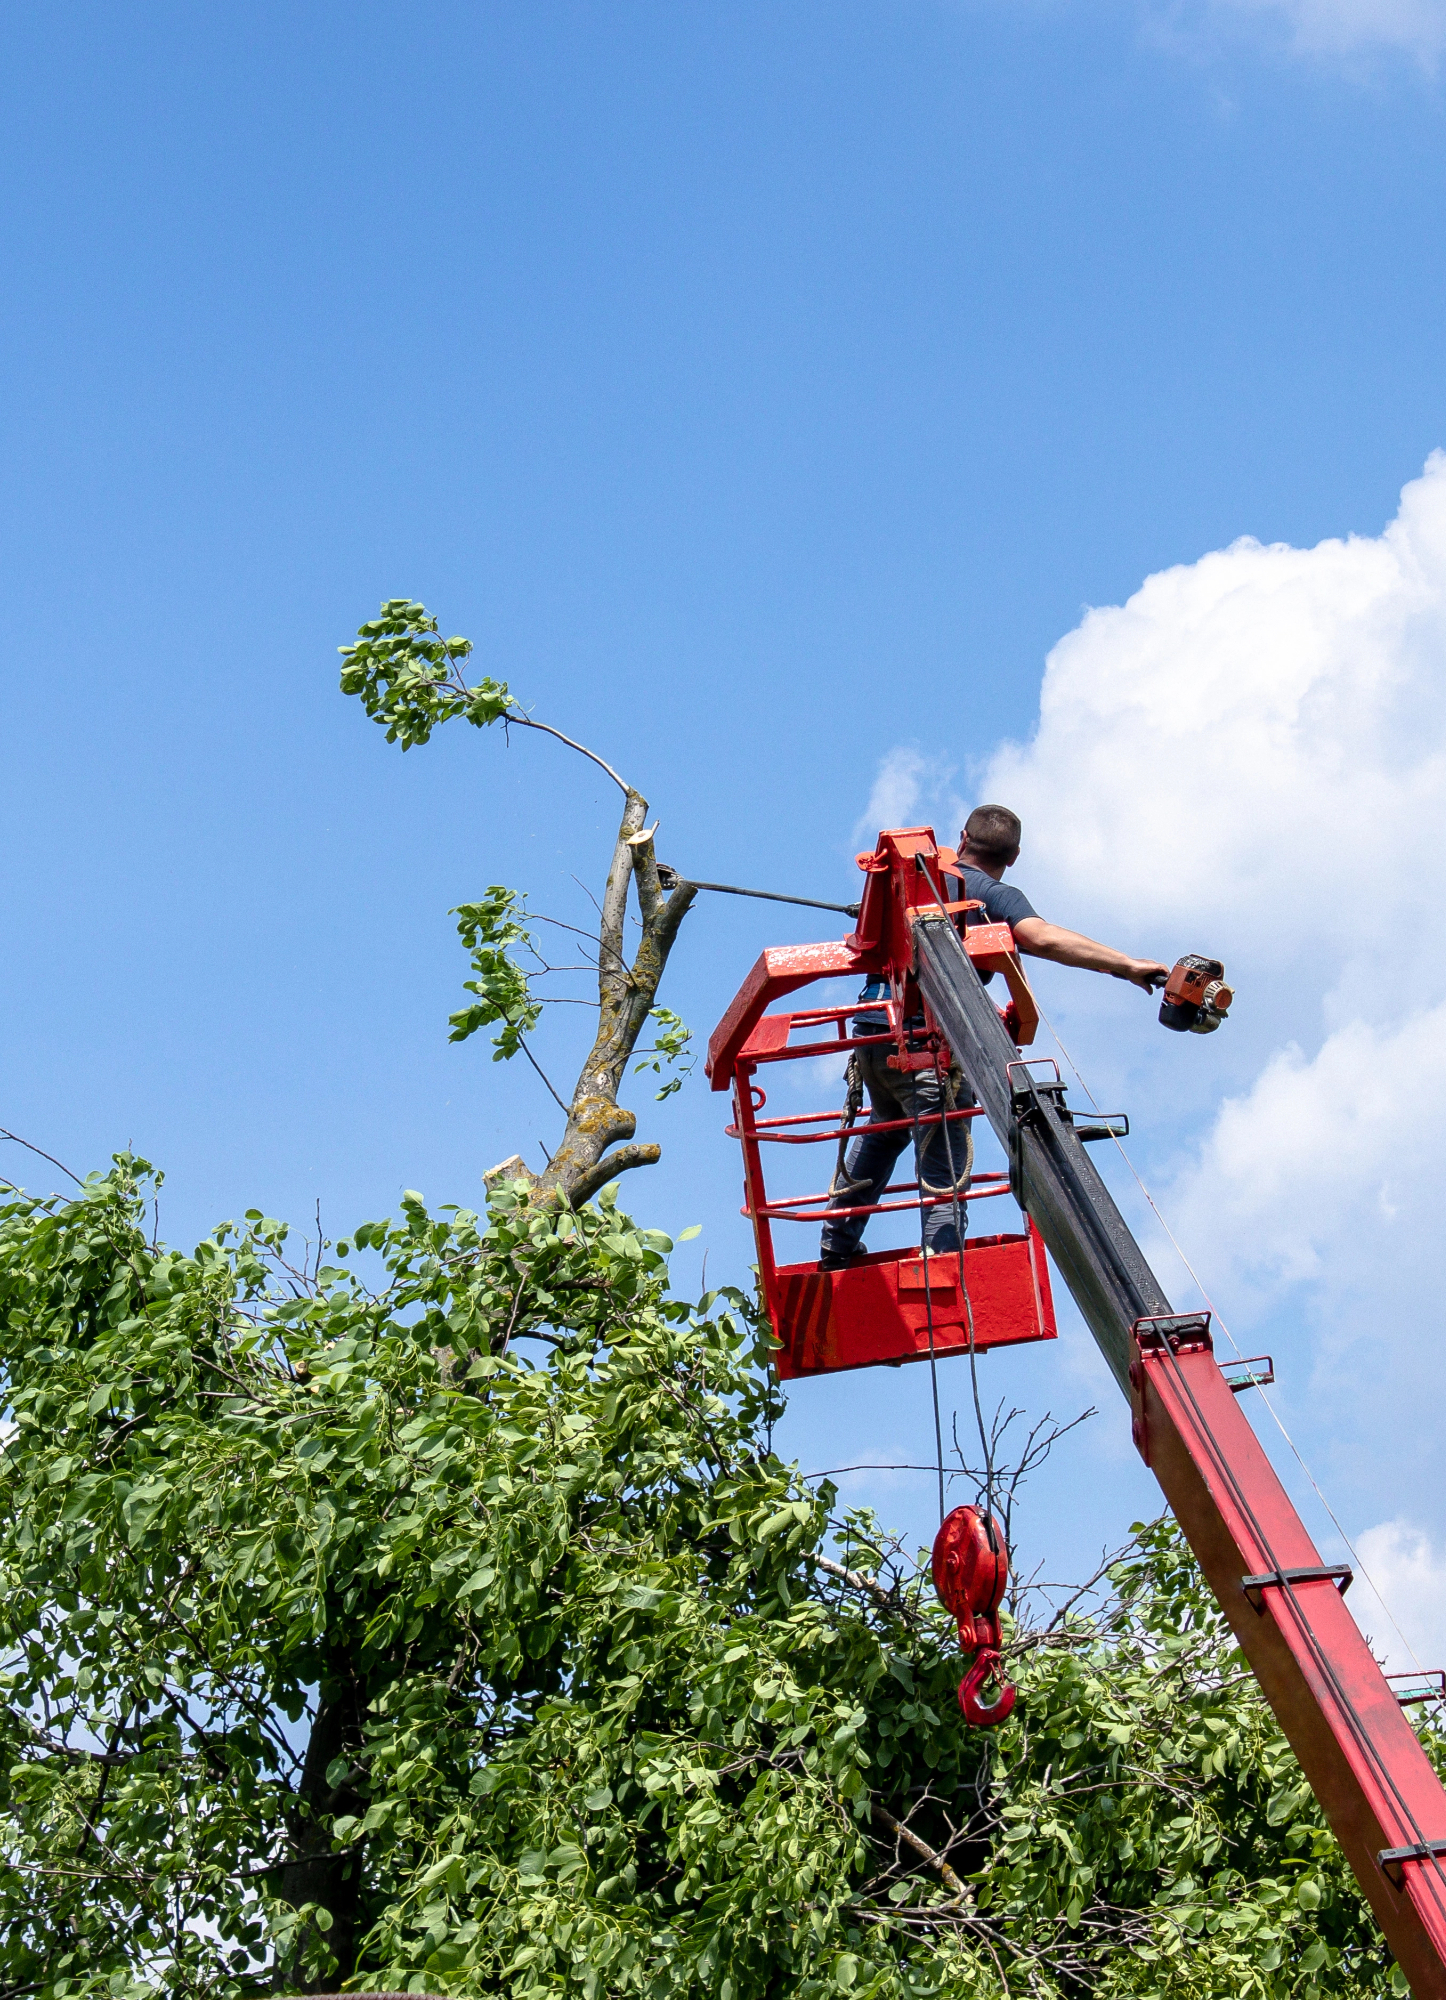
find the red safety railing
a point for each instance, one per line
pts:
(890, 1305)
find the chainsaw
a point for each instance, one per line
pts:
(1196, 997)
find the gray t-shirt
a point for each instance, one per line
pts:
(1003, 904)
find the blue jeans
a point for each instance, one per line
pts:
(944, 1156)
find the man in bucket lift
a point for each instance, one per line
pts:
(944, 1154)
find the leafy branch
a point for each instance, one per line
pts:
(410, 680)
(491, 930)
(670, 1045)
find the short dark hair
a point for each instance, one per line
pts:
(993, 832)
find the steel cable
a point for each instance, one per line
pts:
(1215, 1313)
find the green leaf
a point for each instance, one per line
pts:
(552, 1622)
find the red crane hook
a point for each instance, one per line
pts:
(971, 1571)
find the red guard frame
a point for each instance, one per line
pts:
(889, 1306)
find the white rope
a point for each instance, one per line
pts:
(1216, 1315)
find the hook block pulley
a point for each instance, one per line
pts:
(971, 1572)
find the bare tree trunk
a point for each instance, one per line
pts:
(315, 1873)
(596, 1121)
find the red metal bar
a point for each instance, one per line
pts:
(973, 1193)
(809, 1117)
(1361, 1756)
(780, 969)
(801, 1051)
(783, 1211)
(767, 1136)
(754, 1195)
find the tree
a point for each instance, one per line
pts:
(342, 1642)
(431, 1609)
(411, 679)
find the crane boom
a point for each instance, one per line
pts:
(1052, 1175)
(1363, 1760)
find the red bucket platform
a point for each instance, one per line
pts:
(879, 1309)
(876, 1311)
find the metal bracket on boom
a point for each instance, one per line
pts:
(1391, 1858)
(1427, 1685)
(1261, 1373)
(1031, 1101)
(1340, 1574)
(1181, 1333)
(1104, 1125)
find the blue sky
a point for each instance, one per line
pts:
(766, 391)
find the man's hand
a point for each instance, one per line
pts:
(1042, 940)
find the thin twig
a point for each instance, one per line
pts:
(17, 1140)
(937, 1862)
(527, 722)
(512, 1316)
(522, 1044)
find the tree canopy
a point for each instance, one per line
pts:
(456, 1627)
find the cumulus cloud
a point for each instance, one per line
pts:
(1249, 757)
(911, 788)
(1260, 735)
(1408, 1571)
(1328, 1161)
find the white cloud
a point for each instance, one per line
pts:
(1340, 27)
(1249, 758)
(1260, 735)
(1409, 1573)
(1326, 1152)
(909, 789)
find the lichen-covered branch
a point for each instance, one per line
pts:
(596, 1121)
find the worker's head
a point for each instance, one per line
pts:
(991, 837)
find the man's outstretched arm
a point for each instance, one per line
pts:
(1042, 940)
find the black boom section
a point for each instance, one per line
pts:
(1050, 1171)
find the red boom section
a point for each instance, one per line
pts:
(1364, 1763)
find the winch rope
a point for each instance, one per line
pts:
(1275, 1416)
(928, 1288)
(986, 1443)
(947, 1098)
